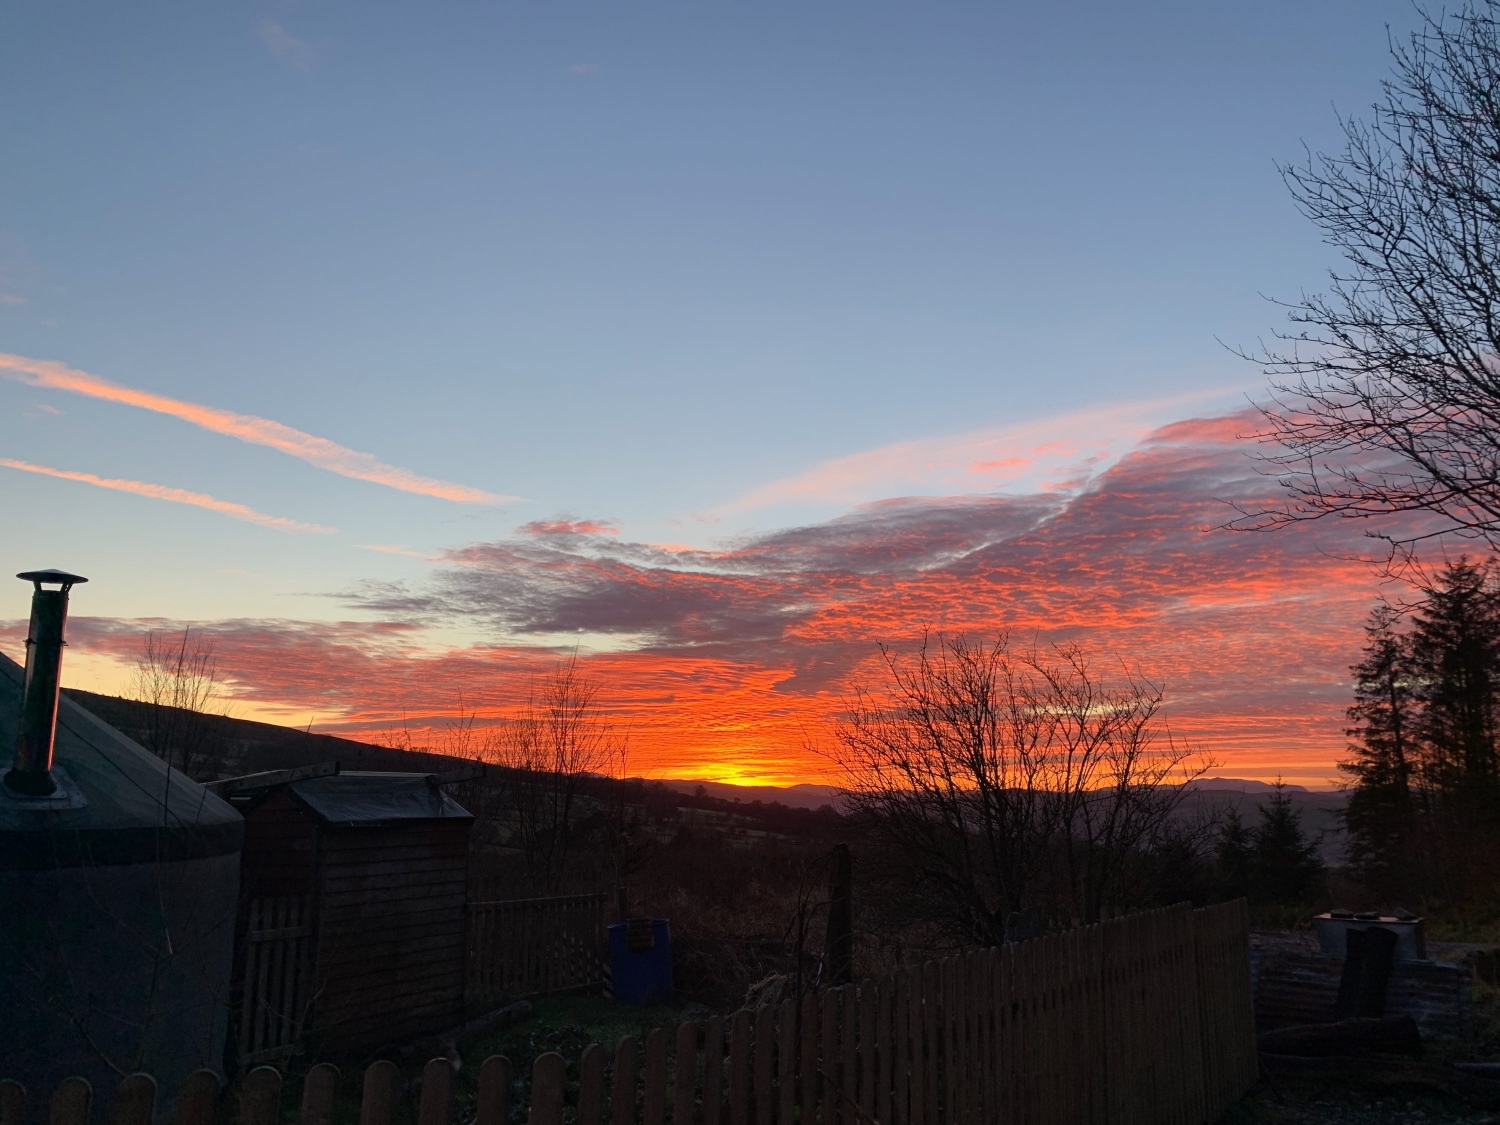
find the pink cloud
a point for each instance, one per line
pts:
(174, 495)
(249, 428)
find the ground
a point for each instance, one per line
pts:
(1426, 1095)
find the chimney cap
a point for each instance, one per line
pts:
(62, 577)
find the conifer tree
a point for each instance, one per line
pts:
(1234, 855)
(1455, 652)
(1379, 814)
(1284, 863)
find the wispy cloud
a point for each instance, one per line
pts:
(567, 525)
(389, 549)
(1044, 455)
(585, 68)
(283, 45)
(249, 428)
(11, 299)
(175, 495)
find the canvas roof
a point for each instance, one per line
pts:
(134, 808)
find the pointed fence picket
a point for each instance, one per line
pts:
(1145, 1018)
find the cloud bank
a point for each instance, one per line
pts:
(729, 663)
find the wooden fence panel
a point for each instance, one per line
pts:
(1144, 1018)
(530, 947)
(276, 985)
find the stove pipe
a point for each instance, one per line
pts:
(31, 773)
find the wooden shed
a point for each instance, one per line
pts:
(353, 911)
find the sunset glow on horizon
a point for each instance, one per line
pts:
(730, 665)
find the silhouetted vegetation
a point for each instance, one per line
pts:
(1424, 811)
(1272, 862)
(1387, 385)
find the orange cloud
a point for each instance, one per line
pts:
(731, 664)
(249, 428)
(175, 495)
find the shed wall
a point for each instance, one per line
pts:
(390, 931)
(280, 849)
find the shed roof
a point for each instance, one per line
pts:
(134, 809)
(373, 800)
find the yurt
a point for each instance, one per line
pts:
(118, 886)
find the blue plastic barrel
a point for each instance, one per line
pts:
(641, 970)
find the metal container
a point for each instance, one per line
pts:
(1332, 928)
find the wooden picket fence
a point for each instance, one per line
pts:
(532, 946)
(1142, 1019)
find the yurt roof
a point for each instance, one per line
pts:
(133, 808)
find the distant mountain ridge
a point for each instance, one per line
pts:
(251, 746)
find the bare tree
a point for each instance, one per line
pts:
(551, 748)
(1387, 393)
(1011, 781)
(177, 676)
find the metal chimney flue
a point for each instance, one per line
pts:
(31, 773)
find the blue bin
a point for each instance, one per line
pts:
(640, 975)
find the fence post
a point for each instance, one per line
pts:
(546, 1090)
(198, 1099)
(622, 1084)
(591, 1085)
(437, 1093)
(713, 1071)
(765, 1048)
(899, 1065)
(377, 1104)
(808, 1064)
(786, 1062)
(654, 1102)
(260, 1097)
(494, 1092)
(72, 1102)
(684, 1074)
(828, 1074)
(739, 1068)
(12, 1102)
(318, 1091)
(134, 1100)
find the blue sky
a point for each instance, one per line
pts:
(702, 270)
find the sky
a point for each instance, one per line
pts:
(404, 349)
